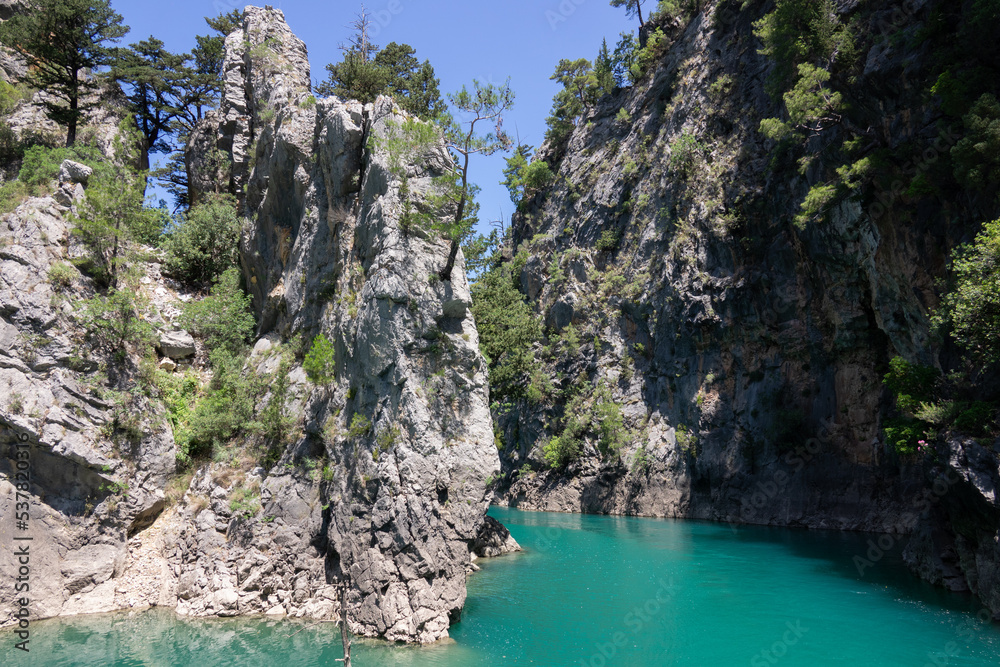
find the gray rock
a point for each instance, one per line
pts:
(176, 344)
(50, 403)
(74, 172)
(493, 539)
(326, 219)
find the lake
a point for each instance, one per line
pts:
(595, 591)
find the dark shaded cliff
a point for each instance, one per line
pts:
(736, 344)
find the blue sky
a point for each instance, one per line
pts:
(489, 41)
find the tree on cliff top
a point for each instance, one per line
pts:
(61, 40)
(152, 77)
(633, 7)
(367, 72)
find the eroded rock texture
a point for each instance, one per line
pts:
(404, 423)
(88, 486)
(745, 354)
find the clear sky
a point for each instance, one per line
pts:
(489, 41)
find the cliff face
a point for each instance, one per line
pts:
(378, 475)
(745, 355)
(405, 424)
(84, 487)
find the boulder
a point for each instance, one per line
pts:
(74, 172)
(176, 344)
(494, 540)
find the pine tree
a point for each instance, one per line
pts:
(62, 40)
(485, 104)
(356, 76)
(367, 72)
(152, 77)
(410, 82)
(199, 86)
(633, 7)
(604, 71)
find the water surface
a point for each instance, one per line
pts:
(595, 591)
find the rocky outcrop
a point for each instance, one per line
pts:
(87, 485)
(494, 540)
(12, 65)
(744, 354)
(956, 541)
(402, 431)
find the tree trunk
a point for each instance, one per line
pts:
(71, 130)
(446, 271)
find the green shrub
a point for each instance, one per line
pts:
(62, 275)
(41, 163)
(540, 387)
(979, 419)
(11, 95)
(203, 244)
(684, 152)
(319, 363)
(228, 408)
(11, 148)
(275, 423)
(911, 384)
(179, 393)
(114, 213)
(561, 450)
(817, 202)
(244, 502)
(609, 240)
(12, 195)
(721, 87)
(640, 460)
(799, 31)
(360, 426)
(223, 318)
(941, 413)
(977, 155)
(972, 307)
(610, 425)
(643, 59)
(387, 438)
(113, 321)
(904, 434)
(686, 440)
(508, 328)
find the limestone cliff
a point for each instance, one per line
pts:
(378, 475)
(88, 484)
(745, 354)
(405, 423)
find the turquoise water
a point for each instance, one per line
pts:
(598, 591)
